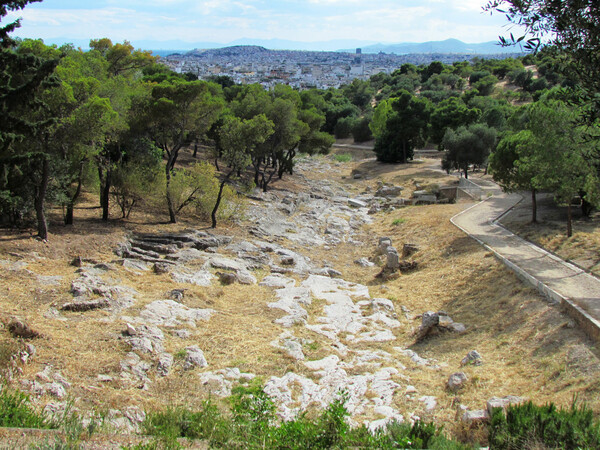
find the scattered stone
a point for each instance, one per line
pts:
(86, 305)
(194, 358)
(176, 294)
(130, 331)
(411, 390)
(148, 339)
(245, 277)
(409, 250)
(277, 281)
(290, 344)
(407, 266)
(134, 369)
(165, 362)
(56, 390)
(393, 259)
(503, 403)
(200, 278)
(480, 415)
(429, 321)
(170, 313)
(77, 261)
(182, 334)
(21, 329)
(389, 191)
(134, 264)
(105, 378)
(457, 381)
(384, 243)
(227, 277)
(434, 323)
(288, 261)
(333, 273)
(160, 268)
(356, 203)
(472, 358)
(364, 262)
(429, 401)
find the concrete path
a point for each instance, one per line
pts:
(560, 281)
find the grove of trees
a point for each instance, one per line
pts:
(114, 121)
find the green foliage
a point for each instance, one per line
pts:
(397, 222)
(343, 127)
(342, 157)
(195, 189)
(17, 411)
(451, 113)
(467, 145)
(251, 423)
(406, 125)
(531, 426)
(361, 131)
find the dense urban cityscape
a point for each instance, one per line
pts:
(300, 69)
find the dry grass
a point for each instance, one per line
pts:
(523, 340)
(583, 248)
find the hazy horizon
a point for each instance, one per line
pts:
(225, 21)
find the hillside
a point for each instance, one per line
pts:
(121, 337)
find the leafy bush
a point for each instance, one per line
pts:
(251, 423)
(531, 426)
(16, 411)
(361, 131)
(195, 189)
(342, 157)
(343, 127)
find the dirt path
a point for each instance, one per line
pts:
(579, 291)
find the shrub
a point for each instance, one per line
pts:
(361, 131)
(16, 411)
(528, 425)
(196, 188)
(343, 127)
(342, 157)
(252, 424)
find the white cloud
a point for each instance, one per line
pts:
(226, 20)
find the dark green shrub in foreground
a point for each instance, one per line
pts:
(531, 426)
(252, 423)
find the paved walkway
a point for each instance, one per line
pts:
(560, 281)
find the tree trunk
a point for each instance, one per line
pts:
(73, 199)
(533, 206)
(101, 178)
(170, 206)
(42, 224)
(466, 172)
(213, 214)
(404, 152)
(106, 193)
(569, 220)
(195, 149)
(586, 207)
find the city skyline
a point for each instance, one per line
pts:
(223, 21)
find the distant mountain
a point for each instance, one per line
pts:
(447, 46)
(322, 46)
(164, 48)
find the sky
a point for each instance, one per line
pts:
(223, 21)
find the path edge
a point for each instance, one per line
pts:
(589, 325)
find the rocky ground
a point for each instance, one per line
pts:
(330, 285)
